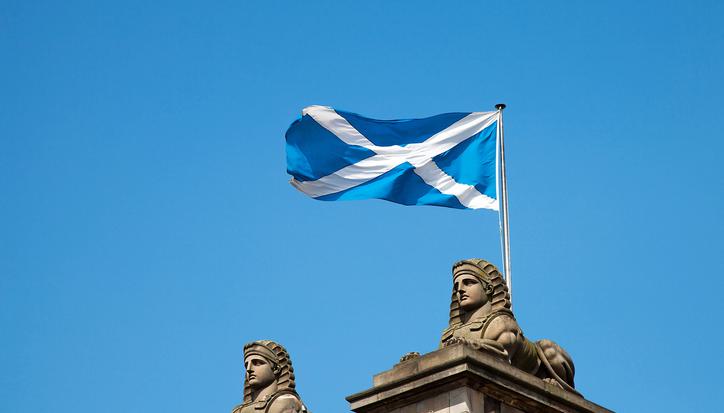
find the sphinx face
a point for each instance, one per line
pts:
(470, 292)
(259, 371)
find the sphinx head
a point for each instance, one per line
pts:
(471, 288)
(268, 367)
(476, 283)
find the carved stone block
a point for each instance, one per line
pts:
(460, 379)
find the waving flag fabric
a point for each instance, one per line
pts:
(446, 160)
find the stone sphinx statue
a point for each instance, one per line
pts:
(269, 381)
(480, 317)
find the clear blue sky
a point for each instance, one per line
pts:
(147, 229)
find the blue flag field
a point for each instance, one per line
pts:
(446, 160)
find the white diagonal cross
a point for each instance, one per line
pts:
(386, 158)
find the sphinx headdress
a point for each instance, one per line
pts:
(280, 361)
(491, 278)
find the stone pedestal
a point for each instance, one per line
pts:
(459, 379)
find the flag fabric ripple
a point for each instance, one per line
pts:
(446, 160)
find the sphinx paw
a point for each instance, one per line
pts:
(454, 340)
(409, 356)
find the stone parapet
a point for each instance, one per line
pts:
(459, 379)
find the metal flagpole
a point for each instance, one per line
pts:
(504, 228)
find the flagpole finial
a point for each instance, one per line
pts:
(500, 106)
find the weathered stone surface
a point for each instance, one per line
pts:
(269, 385)
(504, 408)
(461, 379)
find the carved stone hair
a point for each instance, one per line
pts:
(493, 283)
(281, 364)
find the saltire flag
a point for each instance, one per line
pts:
(446, 160)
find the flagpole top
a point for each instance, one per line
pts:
(500, 106)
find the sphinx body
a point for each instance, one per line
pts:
(480, 317)
(269, 385)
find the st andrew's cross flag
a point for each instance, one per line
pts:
(447, 160)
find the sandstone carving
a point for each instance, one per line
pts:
(269, 381)
(480, 317)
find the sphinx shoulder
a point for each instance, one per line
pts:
(286, 403)
(502, 327)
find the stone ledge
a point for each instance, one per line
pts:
(459, 366)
